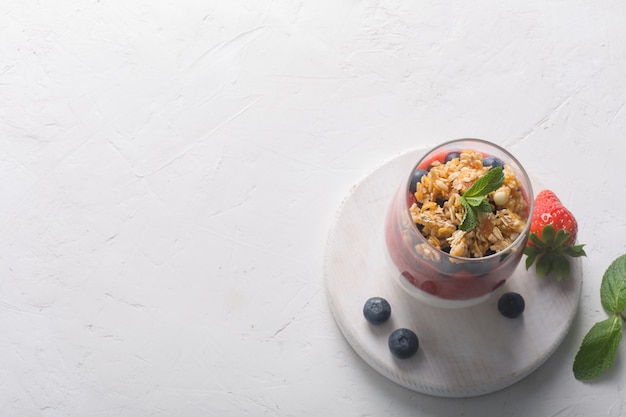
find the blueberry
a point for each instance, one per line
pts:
(492, 161)
(376, 310)
(511, 305)
(417, 177)
(451, 156)
(403, 343)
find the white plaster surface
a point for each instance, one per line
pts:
(169, 171)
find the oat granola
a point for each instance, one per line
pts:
(439, 212)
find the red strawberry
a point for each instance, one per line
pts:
(553, 230)
(549, 210)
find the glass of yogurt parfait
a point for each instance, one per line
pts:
(430, 255)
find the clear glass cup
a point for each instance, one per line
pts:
(433, 275)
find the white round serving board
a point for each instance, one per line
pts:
(463, 352)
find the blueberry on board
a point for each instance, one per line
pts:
(511, 305)
(451, 156)
(492, 161)
(376, 310)
(417, 177)
(403, 343)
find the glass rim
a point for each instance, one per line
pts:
(512, 158)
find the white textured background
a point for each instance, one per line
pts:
(169, 172)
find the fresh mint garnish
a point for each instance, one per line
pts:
(598, 348)
(474, 200)
(613, 287)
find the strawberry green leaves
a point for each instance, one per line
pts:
(551, 252)
(597, 350)
(474, 200)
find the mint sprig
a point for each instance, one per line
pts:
(598, 348)
(474, 199)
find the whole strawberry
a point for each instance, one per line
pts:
(553, 230)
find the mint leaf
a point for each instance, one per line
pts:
(484, 206)
(474, 198)
(469, 220)
(597, 351)
(613, 287)
(474, 201)
(491, 181)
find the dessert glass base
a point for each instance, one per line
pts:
(463, 352)
(424, 297)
